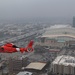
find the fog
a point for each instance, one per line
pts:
(11, 9)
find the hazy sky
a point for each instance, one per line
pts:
(36, 8)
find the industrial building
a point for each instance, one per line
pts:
(58, 36)
(63, 65)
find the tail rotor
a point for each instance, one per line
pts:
(29, 47)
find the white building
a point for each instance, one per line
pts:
(64, 65)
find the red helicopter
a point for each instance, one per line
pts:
(11, 48)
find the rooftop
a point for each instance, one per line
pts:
(64, 60)
(36, 65)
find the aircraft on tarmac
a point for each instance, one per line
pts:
(11, 48)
